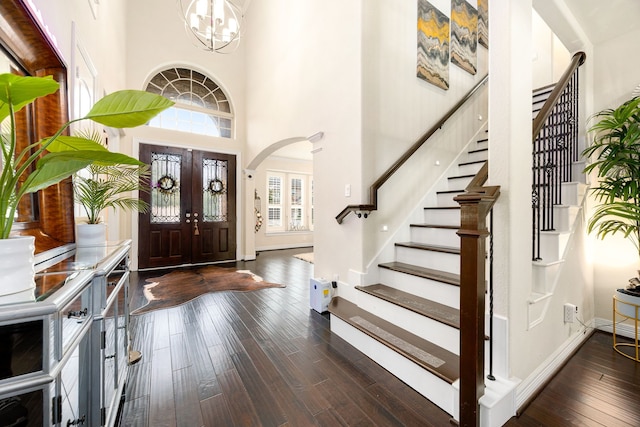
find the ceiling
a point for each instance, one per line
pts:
(603, 20)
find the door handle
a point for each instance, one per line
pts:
(196, 232)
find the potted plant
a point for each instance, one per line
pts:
(51, 160)
(615, 157)
(99, 187)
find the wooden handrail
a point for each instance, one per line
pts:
(576, 61)
(475, 204)
(373, 190)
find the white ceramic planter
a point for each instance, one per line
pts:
(628, 305)
(17, 270)
(91, 235)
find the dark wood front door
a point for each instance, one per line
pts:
(192, 218)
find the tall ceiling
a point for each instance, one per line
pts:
(603, 20)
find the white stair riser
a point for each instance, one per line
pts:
(442, 216)
(564, 216)
(469, 169)
(433, 388)
(435, 236)
(429, 259)
(479, 145)
(572, 193)
(446, 199)
(576, 170)
(458, 183)
(425, 288)
(431, 330)
(480, 155)
(552, 245)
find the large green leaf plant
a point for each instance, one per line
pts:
(55, 158)
(615, 157)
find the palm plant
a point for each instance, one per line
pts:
(616, 159)
(109, 187)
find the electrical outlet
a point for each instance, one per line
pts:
(570, 312)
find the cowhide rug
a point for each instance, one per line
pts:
(181, 286)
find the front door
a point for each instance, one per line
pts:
(192, 218)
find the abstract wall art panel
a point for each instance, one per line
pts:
(464, 35)
(433, 45)
(483, 23)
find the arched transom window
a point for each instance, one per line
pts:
(201, 105)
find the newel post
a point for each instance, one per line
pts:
(474, 208)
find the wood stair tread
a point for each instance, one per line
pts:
(446, 227)
(462, 176)
(431, 357)
(427, 247)
(426, 273)
(479, 150)
(441, 207)
(449, 191)
(425, 307)
(471, 163)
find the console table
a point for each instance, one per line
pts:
(64, 357)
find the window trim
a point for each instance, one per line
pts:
(214, 113)
(286, 206)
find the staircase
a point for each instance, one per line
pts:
(409, 322)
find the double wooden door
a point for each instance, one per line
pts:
(192, 215)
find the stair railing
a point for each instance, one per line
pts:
(555, 148)
(365, 209)
(475, 205)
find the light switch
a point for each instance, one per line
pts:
(347, 190)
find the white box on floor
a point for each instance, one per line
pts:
(319, 294)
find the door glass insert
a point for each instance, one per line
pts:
(214, 190)
(165, 188)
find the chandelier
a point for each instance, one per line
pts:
(213, 25)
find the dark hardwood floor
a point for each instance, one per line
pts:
(596, 387)
(263, 358)
(260, 358)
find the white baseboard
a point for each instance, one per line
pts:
(541, 375)
(622, 329)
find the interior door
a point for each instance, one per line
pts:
(192, 218)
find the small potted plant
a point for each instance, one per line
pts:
(99, 187)
(615, 157)
(51, 160)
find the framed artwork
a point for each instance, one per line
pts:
(464, 35)
(433, 45)
(483, 23)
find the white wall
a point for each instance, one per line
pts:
(510, 165)
(304, 76)
(103, 38)
(616, 76)
(549, 56)
(398, 108)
